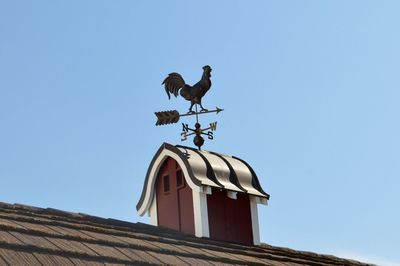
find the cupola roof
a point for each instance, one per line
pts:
(203, 169)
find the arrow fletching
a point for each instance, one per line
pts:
(167, 117)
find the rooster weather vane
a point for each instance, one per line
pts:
(175, 84)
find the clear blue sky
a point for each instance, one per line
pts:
(310, 89)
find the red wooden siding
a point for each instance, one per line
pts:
(175, 207)
(229, 219)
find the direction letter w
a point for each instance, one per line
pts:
(213, 126)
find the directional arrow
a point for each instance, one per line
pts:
(217, 110)
(172, 116)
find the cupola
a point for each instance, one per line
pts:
(203, 193)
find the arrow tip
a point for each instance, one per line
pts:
(218, 109)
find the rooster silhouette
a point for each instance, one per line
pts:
(174, 82)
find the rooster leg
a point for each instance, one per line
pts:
(190, 109)
(202, 108)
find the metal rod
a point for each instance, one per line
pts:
(197, 115)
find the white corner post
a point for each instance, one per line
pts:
(200, 211)
(254, 220)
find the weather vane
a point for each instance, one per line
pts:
(173, 84)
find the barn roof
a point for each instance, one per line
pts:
(204, 169)
(36, 236)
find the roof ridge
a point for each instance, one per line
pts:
(58, 212)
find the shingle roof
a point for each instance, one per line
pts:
(36, 236)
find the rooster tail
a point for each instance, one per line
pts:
(173, 83)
